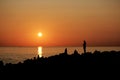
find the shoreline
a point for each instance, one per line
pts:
(67, 54)
(63, 59)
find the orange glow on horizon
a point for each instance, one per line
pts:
(61, 22)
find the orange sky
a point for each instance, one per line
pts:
(62, 22)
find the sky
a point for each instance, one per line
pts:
(62, 22)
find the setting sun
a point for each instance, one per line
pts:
(59, 22)
(39, 34)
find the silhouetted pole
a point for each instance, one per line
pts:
(84, 46)
(66, 51)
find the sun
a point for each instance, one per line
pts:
(40, 34)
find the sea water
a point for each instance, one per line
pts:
(19, 54)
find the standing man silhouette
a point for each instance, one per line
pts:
(84, 46)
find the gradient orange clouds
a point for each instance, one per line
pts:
(63, 22)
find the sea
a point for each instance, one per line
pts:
(19, 54)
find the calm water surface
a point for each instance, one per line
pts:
(19, 54)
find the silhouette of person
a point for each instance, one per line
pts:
(84, 46)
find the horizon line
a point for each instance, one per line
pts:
(67, 46)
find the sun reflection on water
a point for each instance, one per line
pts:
(40, 51)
